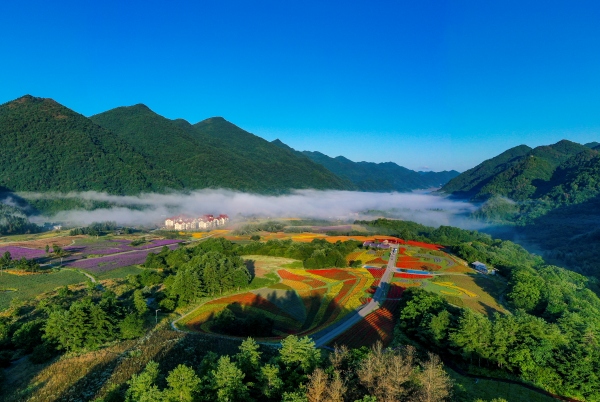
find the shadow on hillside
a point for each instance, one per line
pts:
(170, 348)
(492, 286)
(251, 267)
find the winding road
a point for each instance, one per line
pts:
(328, 334)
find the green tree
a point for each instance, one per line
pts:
(299, 353)
(139, 302)
(248, 358)
(228, 381)
(473, 335)
(131, 327)
(183, 384)
(269, 380)
(142, 387)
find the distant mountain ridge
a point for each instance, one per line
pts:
(215, 153)
(376, 177)
(521, 173)
(45, 146)
(549, 197)
(127, 150)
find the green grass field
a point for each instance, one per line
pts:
(119, 273)
(469, 390)
(29, 286)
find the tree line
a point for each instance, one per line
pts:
(297, 372)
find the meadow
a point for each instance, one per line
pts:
(29, 286)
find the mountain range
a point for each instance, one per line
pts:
(548, 195)
(377, 177)
(45, 146)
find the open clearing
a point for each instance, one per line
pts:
(29, 286)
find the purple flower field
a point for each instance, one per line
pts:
(20, 252)
(110, 262)
(116, 246)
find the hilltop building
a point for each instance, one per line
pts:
(203, 222)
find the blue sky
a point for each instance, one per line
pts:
(443, 85)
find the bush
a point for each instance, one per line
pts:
(42, 353)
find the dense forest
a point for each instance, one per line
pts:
(14, 221)
(209, 153)
(44, 147)
(546, 197)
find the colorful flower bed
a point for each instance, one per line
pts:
(336, 274)
(377, 260)
(411, 276)
(285, 274)
(16, 253)
(424, 245)
(377, 326)
(418, 265)
(315, 283)
(376, 272)
(297, 285)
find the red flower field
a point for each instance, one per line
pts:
(377, 273)
(337, 274)
(288, 275)
(411, 276)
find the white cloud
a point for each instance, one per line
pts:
(424, 208)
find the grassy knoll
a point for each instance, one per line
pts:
(486, 288)
(469, 389)
(119, 272)
(29, 286)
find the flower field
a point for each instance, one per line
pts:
(20, 252)
(308, 301)
(411, 276)
(367, 257)
(377, 326)
(116, 246)
(113, 261)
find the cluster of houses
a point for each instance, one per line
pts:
(380, 243)
(203, 222)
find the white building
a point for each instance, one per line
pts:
(202, 222)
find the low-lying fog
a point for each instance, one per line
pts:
(420, 207)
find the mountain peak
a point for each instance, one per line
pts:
(30, 100)
(215, 119)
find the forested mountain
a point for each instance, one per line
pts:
(521, 173)
(550, 193)
(45, 146)
(378, 177)
(215, 153)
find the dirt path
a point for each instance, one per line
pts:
(325, 336)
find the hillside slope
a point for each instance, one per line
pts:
(377, 177)
(550, 193)
(521, 173)
(45, 146)
(214, 153)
